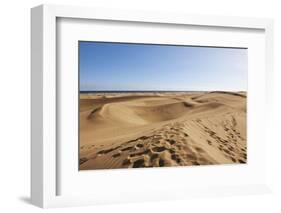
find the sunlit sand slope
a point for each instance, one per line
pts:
(165, 129)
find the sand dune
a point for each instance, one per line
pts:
(162, 129)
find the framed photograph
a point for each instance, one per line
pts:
(165, 105)
(129, 106)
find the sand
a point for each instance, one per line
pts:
(129, 130)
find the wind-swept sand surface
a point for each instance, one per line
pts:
(130, 130)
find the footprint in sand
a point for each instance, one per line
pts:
(171, 141)
(241, 161)
(139, 145)
(139, 163)
(209, 142)
(127, 148)
(116, 155)
(158, 149)
(82, 160)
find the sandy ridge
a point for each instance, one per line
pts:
(167, 130)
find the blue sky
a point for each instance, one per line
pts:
(117, 66)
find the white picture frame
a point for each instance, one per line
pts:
(45, 167)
